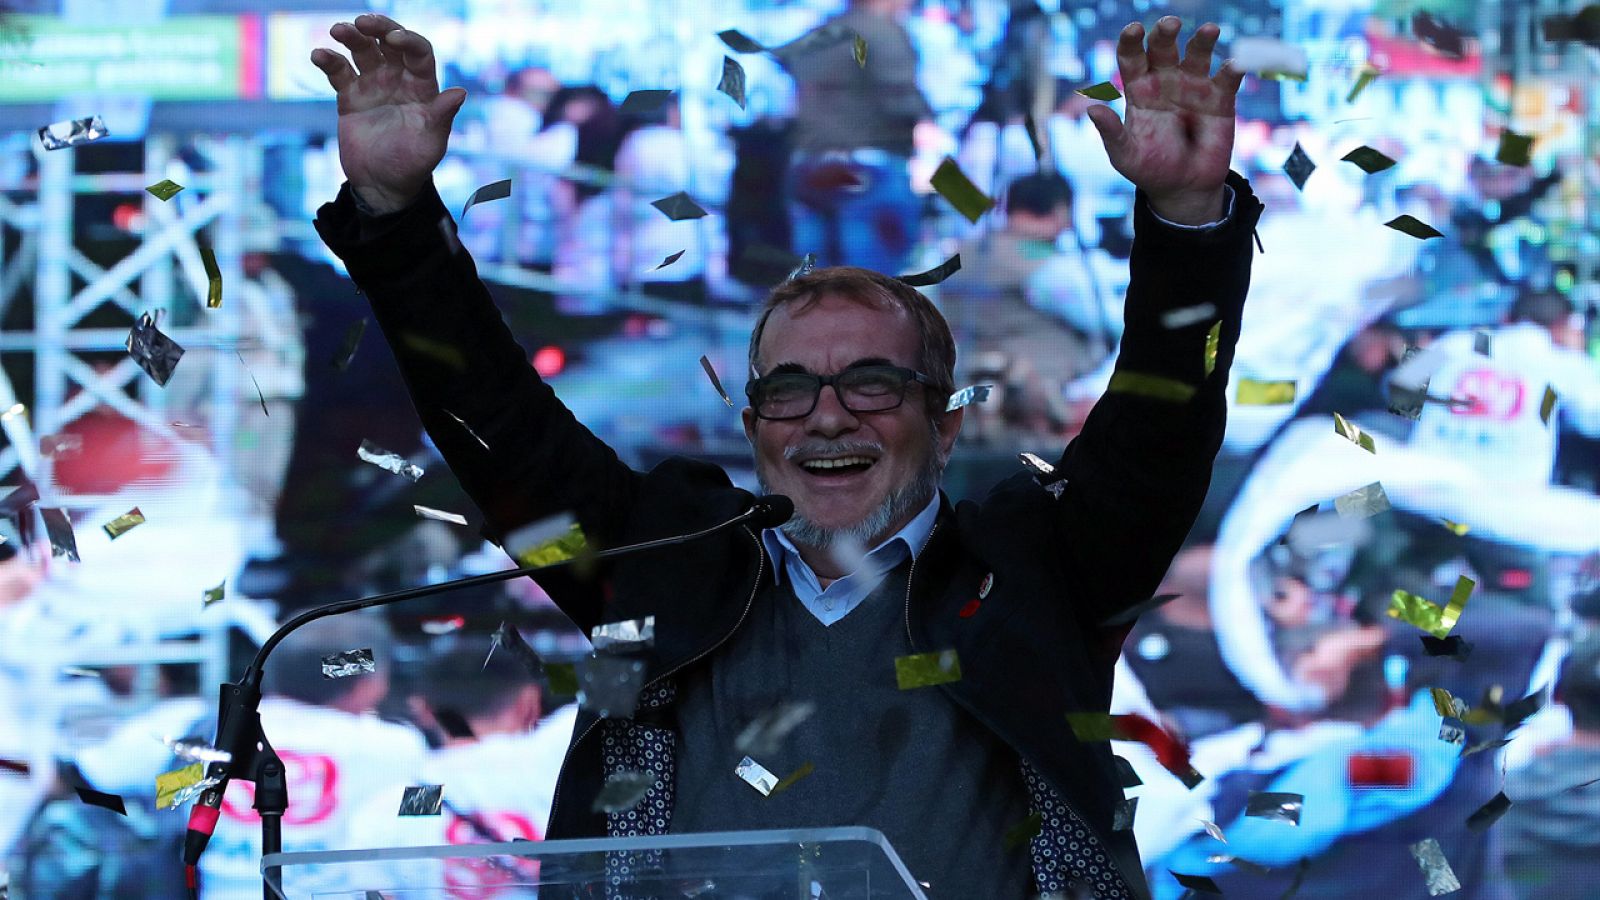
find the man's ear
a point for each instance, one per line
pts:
(748, 416)
(949, 426)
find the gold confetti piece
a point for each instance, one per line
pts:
(732, 82)
(1406, 224)
(165, 189)
(954, 186)
(789, 780)
(1368, 160)
(440, 351)
(926, 669)
(756, 775)
(1023, 831)
(859, 50)
(711, 373)
(1213, 337)
(1448, 705)
(1094, 726)
(208, 258)
(1353, 433)
(422, 800)
(1157, 386)
(1365, 76)
(1457, 528)
(439, 515)
(546, 541)
(72, 133)
(562, 679)
(169, 784)
(213, 595)
(1429, 616)
(1515, 149)
(1430, 858)
(124, 523)
(1265, 393)
(1548, 404)
(1105, 91)
(498, 190)
(1363, 502)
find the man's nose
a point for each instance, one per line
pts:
(830, 418)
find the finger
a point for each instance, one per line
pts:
(1197, 53)
(414, 50)
(1131, 61)
(1228, 79)
(363, 49)
(335, 66)
(1111, 129)
(1164, 43)
(376, 27)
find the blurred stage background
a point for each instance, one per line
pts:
(1276, 662)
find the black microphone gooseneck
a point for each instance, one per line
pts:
(239, 719)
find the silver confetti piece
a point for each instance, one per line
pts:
(756, 775)
(422, 800)
(967, 396)
(1480, 342)
(196, 750)
(155, 353)
(498, 190)
(71, 133)
(1245, 864)
(59, 529)
(509, 637)
(1282, 807)
(1122, 816)
(623, 791)
(732, 82)
(1452, 731)
(1036, 464)
(192, 791)
(1188, 315)
(631, 634)
(389, 462)
(807, 264)
(350, 662)
(1441, 879)
(765, 735)
(1363, 503)
(439, 515)
(1214, 830)
(608, 686)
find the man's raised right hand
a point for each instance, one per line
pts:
(394, 123)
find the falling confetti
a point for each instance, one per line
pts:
(623, 791)
(739, 43)
(756, 775)
(935, 275)
(1265, 393)
(1363, 503)
(789, 780)
(498, 190)
(1547, 405)
(1104, 91)
(1298, 166)
(1188, 315)
(124, 523)
(1213, 341)
(1023, 831)
(1368, 160)
(1429, 616)
(1353, 433)
(967, 396)
(954, 186)
(678, 207)
(213, 595)
(260, 397)
(350, 662)
(1454, 646)
(347, 347)
(766, 734)
(1270, 58)
(59, 529)
(1449, 40)
(72, 133)
(1158, 387)
(644, 103)
(102, 800)
(439, 515)
(422, 800)
(608, 686)
(1489, 813)
(208, 259)
(631, 634)
(711, 373)
(1122, 816)
(1367, 74)
(387, 461)
(1515, 149)
(1406, 224)
(926, 669)
(669, 260)
(732, 82)
(164, 190)
(1430, 858)
(170, 784)
(547, 541)
(155, 353)
(859, 51)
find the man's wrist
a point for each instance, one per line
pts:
(1193, 209)
(373, 201)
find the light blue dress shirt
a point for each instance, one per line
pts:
(839, 598)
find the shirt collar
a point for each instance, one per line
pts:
(913, 535)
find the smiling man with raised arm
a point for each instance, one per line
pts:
(851, 376)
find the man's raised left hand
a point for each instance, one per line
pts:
(1178, 138)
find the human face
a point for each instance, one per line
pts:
(898, 453)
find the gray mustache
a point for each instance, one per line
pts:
(834, 448)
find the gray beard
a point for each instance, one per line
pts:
(900, 503)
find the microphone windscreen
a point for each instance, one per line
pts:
(772, 511)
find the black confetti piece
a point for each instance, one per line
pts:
(1299, 166)
(1197, 883)
(669, 260)
(498, 190)
(1515, 149)
(644, 103)
(155, 353)
(732, 82)
(1126, 776)
(1489, 813)
(935, 275)
(1453, 646)
(1417, 228)
(102, 800)
(509, 637)
(347, 349)
(59, 529)
(1368, 160)
(422, 800)
(738, 42)
(678, 207)
(1449, 40)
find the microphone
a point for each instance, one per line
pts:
(239, 719)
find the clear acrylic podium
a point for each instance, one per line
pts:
(814, 864)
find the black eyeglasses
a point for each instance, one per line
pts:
(864, 389)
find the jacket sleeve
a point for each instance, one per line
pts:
(1139, 470)
(519, 453)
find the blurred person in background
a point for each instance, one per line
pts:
(849, 185)
(497, 760)
(335, 751)
(653, 162)
(1026, 311)
(1555, 800)
(1490, 408)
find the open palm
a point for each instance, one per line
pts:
(1177, 140)
(394, 123)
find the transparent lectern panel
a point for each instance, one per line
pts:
(819, 864)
